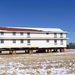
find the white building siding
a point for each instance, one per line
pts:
(33, 43)
(9, 43)
(42, 35)
(59, 35)
(44, 43)
(11, 35)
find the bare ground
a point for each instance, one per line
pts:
(38, 64)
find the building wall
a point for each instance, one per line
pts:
(44, 43)
(48, 35)
(51, 35)
(11, 35)
(33, 43)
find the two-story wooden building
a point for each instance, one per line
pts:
(30, 39)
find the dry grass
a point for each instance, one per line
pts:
(38, 64)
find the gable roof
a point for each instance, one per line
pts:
(49, 29)
(27, 29)
(18, 29)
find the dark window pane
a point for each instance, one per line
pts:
(28, 34)
(28, 42)
(61, 42)
(14, 33)
(2, 41)
(21, 33)
(22, 41)
(2, 33)
(61, 35)
(47, 41)
(14, 41)
(55, 35)
(47, 33)
(55, 42)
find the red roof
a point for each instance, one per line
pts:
(19, 29)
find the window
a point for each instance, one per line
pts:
(14, 41)
(1, 41)
(61, 35)
(22, 41)
(55, 42)
(47, 40)
(28, 42)
(61, 42)
(2, 33)
(55, 35)
(14, 33)
(47, 33)
(21, 33)
(28, 34)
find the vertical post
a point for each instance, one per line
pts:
(13, 52)
(46, 50)
(0, 52)
(30, 51)
(58, 50)
(10, 52)
(64, 49)
(49, 51)
(25, 51)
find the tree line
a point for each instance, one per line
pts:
(71, 46)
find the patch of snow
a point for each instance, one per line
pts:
(2, 71)
(16, 64)
(59, 71)
(2, 66)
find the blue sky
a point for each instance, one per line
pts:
(39, 13)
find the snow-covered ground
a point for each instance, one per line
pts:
(58, 67)
(38, 64)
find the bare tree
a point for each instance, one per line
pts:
(71, 46)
